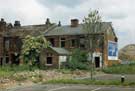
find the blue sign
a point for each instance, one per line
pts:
(112, 50)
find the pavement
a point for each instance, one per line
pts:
(71, 88)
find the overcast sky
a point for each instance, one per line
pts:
(120, 12)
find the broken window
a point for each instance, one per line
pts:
(7, 60)
(52, 41)
(63, 42)
(82, 42)
(49, 60)
(7, 45)
(1, 61)
(73, 43)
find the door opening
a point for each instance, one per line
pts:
(97, 62)
(15, 59)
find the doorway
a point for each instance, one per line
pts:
(15, 59)
(97, 62)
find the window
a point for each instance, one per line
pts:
(73, 43)
(7, 45)
(7, 60)
(49, 60)
(52, 41)
(82, 43)
(63, 42)
(1, 59)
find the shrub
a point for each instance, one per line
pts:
(120, 69)
(78, 60)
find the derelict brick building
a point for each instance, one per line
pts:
(63, 39)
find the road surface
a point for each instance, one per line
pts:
(71, 88)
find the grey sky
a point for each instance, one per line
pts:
(120, 12)
(53, 3)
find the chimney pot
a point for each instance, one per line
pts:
(2, 19)
(17, 24)
(74, 22)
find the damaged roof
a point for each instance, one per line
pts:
(33, 30)
(54, 30)
(68, 30)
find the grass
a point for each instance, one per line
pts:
(120, 69)
(89, 82)
(7, 71)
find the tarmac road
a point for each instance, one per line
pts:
(72, 88)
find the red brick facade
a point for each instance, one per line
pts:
(10, 44)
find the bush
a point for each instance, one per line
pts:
(78, 60)
(120, 69)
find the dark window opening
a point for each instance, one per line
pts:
(15, 59)
(97, 62)
(63, 43)
(7, 60)
(82, 42)
(73, 42)
(1, 59)
(82, 46)
(7, 54)
(49, 60)
(52, 41)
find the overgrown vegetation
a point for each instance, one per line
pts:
(120, 69)
(78, 60)
(32, 47)
(89, 82)
(8, 71)
(92, 25)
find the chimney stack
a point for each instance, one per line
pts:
(59, 24)
(2, 25)
(74, 22)
(17, 24)
(2, 19)
(47, 21)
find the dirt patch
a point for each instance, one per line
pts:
(38, 76)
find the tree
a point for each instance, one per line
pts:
(78, 60)
(32, 47)
(92, 25)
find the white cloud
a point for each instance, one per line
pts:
(120, 13)
(27, 11)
